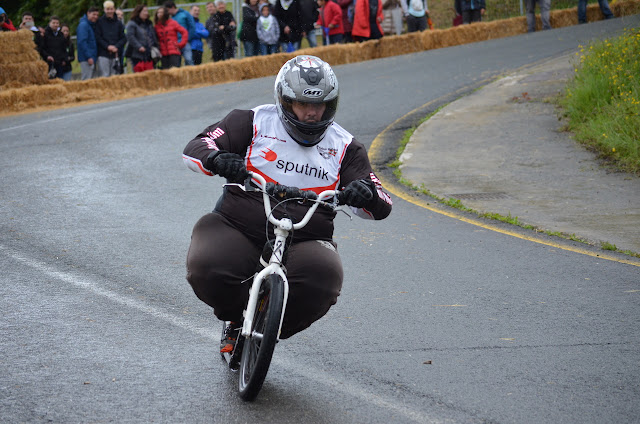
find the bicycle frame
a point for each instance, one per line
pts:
(282, 228)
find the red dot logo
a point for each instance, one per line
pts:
(269, 155)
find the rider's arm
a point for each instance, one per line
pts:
(233, 134)
(356, 166)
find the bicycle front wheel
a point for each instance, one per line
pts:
(259, 345)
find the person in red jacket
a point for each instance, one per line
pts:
(5, 22)
(367, 19)
(167, 31)
(330, 19)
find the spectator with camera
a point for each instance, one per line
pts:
(29, 23)
(222, 33)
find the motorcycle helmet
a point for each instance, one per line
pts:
(306, 79)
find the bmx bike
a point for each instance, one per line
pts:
(269, 291)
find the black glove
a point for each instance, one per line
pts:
(358, 193)
(227, 165)
(285, 192)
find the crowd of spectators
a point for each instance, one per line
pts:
(175, 36)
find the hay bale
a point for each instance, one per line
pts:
(26, 73)
(56, 92)
(20, 63)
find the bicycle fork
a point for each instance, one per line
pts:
(274, 267)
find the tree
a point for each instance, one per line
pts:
(39, 8)
(70, 11)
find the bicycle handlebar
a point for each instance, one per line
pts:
(291, 193)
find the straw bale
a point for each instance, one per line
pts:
(56, 92)
(12, 42)
(625, 8)
(20, 63)
(24, 73)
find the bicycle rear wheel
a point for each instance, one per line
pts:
(259, 345)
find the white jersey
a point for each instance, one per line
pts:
(278, 158)
(260, 138)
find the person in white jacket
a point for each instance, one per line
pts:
(268, 30)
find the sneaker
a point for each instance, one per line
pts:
(228, 341)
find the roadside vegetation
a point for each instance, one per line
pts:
(602, 102)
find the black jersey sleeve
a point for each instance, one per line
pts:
(356, 166)
(232, 134)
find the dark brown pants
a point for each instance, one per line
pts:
(222, 261)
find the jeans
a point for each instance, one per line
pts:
(545, 6)
(251, 48)
(582, 10)
(197, 56)
(312, 38)
(187, 54)
(284, 46)
(333, 39)
(266, 49)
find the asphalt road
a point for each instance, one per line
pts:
(439, 320)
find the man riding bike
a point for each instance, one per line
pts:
(293, 143)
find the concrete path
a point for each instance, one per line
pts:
(501, 149)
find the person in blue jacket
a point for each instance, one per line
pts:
(201, 32)
(87, 45)
(185, 20)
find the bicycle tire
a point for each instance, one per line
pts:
(257, 351)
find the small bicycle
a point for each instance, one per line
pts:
(270, 289)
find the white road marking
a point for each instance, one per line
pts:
(305, 371)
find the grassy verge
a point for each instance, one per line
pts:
(602, 102)
(457, 204)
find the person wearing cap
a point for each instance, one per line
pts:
(111, 40)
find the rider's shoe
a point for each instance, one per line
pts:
(228, 341)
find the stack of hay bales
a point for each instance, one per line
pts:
(44, 93)
(20, 62)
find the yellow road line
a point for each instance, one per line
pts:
(394, 188)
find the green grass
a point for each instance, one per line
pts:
(602, 102)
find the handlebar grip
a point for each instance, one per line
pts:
(283, 192)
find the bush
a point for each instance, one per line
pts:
(602, 102)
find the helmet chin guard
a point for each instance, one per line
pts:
(306, 79)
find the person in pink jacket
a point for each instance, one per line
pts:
(367, 19)
(167, 31)
(330, 19)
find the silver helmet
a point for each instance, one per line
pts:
(306, 79)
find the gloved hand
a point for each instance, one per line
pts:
(358, 193)
(227, 165)
(285, 192)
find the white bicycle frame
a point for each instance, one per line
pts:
(282, 228)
